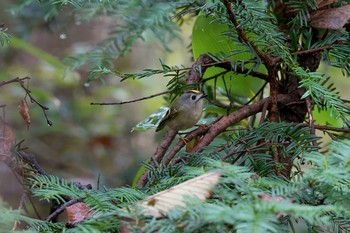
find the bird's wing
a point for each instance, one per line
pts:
(170, 114)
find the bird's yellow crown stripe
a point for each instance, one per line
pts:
(194, 91)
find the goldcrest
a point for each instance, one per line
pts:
(184, 112)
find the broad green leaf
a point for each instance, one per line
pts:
(207, 37)
(324, 117)
(138, 175)
(151, 121)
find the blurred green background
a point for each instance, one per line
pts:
(85, 142)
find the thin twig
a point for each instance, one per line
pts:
(311, 119)
(327, 128)
(257, 93)
(62, 208)
(220, 105)
(309, 51)
(20, 207)
(28, 92)
(135, 100)
(265, 143)
(30, 159)
(263, 112)
(15, 80)
(215, 76)
(34, 208)
(226, 64)
(243, 36)
(315, 50)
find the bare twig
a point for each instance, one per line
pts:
(34, 207)
(265, 143)
(215, 76)
(15, 80)
(327, 128)
(257, 93)
(263, 112)
(30, 159)
(311, 119)
(266, 59)
(20, 208)
(226, 64)
(315, 50)
(135, 100)
(62, 208)
(28, 92)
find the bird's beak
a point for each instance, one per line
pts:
(203, 96)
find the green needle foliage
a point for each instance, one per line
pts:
(243, 201)
(4, 37)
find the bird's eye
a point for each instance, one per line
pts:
(193, 97)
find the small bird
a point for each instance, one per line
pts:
(184, 112)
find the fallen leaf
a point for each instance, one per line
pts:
(77, 212)
(333, 18)
(161, 203)
(190, 145)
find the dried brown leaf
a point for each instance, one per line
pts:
(161, 203)
(333, 18)
(192, 144)
(23, 109)
(77, 212)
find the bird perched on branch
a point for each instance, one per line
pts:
(184, 112)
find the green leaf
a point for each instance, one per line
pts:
(151, 121)
(324, 117)
(4, 37)
(138, 175)
(208, 37)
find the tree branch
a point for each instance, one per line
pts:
(135, 100)
(28, 92)
(220, 125)
(226, 121)
(60, 209)
(158, 155)
(327, 128)
(266, 59)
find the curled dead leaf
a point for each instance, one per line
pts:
(77, 212)
(333, 18)
(190, 145)
(23, 109)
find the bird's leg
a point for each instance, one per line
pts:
(185, 140)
